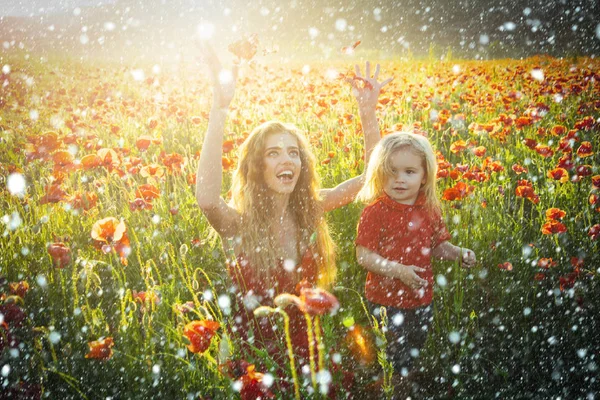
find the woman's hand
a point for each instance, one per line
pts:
(223, 81)
(367, 89)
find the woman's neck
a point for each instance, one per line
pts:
(280, 205)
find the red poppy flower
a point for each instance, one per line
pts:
(558, 130)
(479, 151)
(19, 288)
(253, 387)
(531, 143)
(507, 266)
(60, 253)
(318, 301)
(585, 150)
(152, 171)
(596, 182)
(519, 169)
(546, 263)
(558, 174)
(585, 124)
(522, 122)
(525, 189)
(200, 333)
(568, 281)
(555, 213)
(140, 204)
(552, 226)
(584, 170)
(101, 349)
(83, 201)
(594, 232)
(544, 150)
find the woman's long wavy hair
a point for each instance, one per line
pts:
(253, 200)
(380, 167)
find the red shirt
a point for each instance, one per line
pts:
(405, 234)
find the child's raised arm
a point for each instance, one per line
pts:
(209, 175)
(392, 269)
(448, 251)
(366, 90)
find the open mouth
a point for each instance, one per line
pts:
(286, 176)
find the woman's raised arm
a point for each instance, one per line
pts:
(209, 175)
(366, 90)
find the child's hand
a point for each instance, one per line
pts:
(408, 275)
(468, 258)
(367, 89)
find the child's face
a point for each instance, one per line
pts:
(282, 162)
(408, 175)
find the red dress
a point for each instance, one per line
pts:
(254, 290)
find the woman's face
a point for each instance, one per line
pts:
(282, 162)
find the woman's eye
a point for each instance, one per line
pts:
(272, 153)
(294, 153)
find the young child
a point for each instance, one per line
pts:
(398, 233)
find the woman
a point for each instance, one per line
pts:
(273, 228)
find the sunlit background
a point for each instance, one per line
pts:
(305, 28)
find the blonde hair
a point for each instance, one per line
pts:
(380, 166)
(253, 200)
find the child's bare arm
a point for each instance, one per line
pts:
(448, 251)
(392, 269)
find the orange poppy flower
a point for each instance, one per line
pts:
(174, 161)
(91, 161)
(63, 161)
(196, 120)
(109, 158)
(152, 171)
(555, 213)
(152, 123)
(507, 266)
(18, 288)
(522, 122)
(60, 254)
(101, 349)
(558, 174)
(147, 192)
(110, 234)
(458, 146)
(85, 200)
(227, 163)
(144, 141)
(585, 150)
(245, 48)
(552, 227)
(479, 151)
(227, 146)
(200, 333)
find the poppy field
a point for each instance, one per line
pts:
(112, 284)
